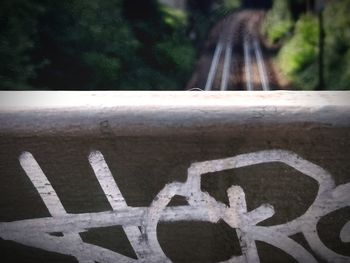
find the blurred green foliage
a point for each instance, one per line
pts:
(102, 44)
(173, 17)
(297, 57)
(278, 22)
(337, 44)
(231, 4)
(18, 27)
(93, 44)
(299, 52)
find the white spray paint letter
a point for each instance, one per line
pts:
(202, 207)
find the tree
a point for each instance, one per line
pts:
(92, 44)
(18, 37)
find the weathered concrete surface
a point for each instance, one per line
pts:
(123, 152)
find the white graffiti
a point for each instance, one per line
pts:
(140, 223)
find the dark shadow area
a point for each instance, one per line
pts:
(329, 228)
(112, 238)
(12, 252)
(266, 4)
(271, 254)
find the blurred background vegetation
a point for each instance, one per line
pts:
(146, 45)
(293, 26)
(102, 44)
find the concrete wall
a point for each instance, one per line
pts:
(174, 176)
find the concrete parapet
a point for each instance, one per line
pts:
(175, 176)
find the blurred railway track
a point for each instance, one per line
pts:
(234, 58)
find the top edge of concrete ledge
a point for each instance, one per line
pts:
(41, 100)
(126, 113)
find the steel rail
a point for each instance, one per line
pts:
(214, 65)
(247, 63)
(227, 65)
(261, 66)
